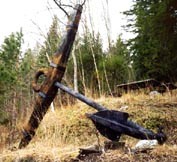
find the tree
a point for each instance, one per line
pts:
(10, 54)
(24, 89)
(50, 45)
(89, 52)
(114, 65)
(153, 48)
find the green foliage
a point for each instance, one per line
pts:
(10, 54)
(26, 70)
(111, 66)
(115, 65)
(4, 118)
(116, 70)
(95, 67)
(153, 48)
(88, 49)
(9, 58)
(50, 45)
(10, 49)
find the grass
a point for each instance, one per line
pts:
(64, 131)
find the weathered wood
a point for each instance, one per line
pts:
(139, 84)
(148, 83)
(47, 91)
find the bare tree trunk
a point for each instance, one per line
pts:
(48, 58)
(107, 23)
(96, 69)
(93, 55)
(14, 109)
(82, 72)
(75, 69)
(52, 107)
(106, 77)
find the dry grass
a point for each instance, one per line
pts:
(64, 131)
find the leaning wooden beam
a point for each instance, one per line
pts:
(47, 91)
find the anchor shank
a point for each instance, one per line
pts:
(80, 97)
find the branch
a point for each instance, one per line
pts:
(66, 5)
(83, 2)
(60, 6)
(50, 9)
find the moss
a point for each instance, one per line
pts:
(154, 122)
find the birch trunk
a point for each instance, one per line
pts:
(75, 70)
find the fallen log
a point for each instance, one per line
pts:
(148, 83)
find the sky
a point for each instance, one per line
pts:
(35, 17)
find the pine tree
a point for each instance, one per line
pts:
(114, 65)
(50, 45)
(153, 48)
(10, 54)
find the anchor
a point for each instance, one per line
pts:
(110, 123)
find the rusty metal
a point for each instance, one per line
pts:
(48, 90)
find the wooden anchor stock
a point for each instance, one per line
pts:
(47, 91)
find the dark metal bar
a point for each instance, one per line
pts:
(112, 124)
(80, 97)
(124, 128)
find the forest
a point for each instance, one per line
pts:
(91, 70)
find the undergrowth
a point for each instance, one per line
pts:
(63, 132)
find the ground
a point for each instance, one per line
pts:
(62, 133)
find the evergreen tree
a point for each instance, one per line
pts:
(50, 45)
(114, 65)
(89, 53)
(153, 48)
(10, 54)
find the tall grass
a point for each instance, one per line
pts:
(63, 132)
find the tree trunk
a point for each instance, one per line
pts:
(75, 69)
